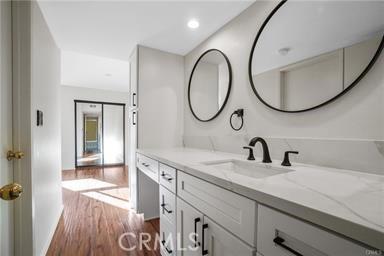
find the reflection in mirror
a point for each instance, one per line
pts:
(100, 137)
(209, 85)
(308, 54)
(113, 134)
(89, 134)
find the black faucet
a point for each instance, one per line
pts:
(266, 156)
(250, 156)
(286, 161)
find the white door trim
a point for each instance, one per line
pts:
(22, 120)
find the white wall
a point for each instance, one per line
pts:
(46, 156)
(356, 115)
(68, 94)
(160, 91)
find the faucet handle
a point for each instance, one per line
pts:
(250, 156)
(286, 161)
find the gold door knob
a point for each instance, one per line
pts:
(11, 191)
(14, 155)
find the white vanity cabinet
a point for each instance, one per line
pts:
(200, 218)
(232, 211)
(148, 166)
(279, 233)
(219, 242)
(168, 177)
(189, 223)
(199, 235)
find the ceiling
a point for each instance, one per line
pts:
(112, 28)
(97, 37)
(95, 72)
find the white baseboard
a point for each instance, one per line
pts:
(52, 232)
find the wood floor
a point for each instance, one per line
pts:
(91, 227)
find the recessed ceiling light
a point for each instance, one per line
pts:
(108, 74)
(193, 24)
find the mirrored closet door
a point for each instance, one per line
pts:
(99, 133)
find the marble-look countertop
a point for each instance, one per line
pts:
(347, 202)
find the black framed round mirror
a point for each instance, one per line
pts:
(209, 85)
(307, 54)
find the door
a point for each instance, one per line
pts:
(114, 134)
(189, 226)
(88, 133)
(216, 241)
(8, 190)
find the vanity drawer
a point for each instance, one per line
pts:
(232, 211)
(168, 177)
(167, 240)
(167, 206)
(148, 166)
(299, 236)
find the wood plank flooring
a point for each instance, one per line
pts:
(89, 227)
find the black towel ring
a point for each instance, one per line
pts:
(239, 113)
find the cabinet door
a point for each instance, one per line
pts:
(278, 234)
(189, 226)
(219, 242)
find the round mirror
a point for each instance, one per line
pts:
(209, 85)
(308, 53)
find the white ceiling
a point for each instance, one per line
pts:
(112, 28)
(97, 37)
(95, 72)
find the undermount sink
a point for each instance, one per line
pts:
(246, 168)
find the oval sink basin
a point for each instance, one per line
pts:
(246, 168)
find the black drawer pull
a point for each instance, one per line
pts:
(204, 252)
(166, 248)
(280, 242)
(197, 220)
(133, 99)
(164, 176)
(165, 209)
(133, 118)
(145, 164)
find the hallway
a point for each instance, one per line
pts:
(90, 226)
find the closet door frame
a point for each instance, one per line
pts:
(102, 103)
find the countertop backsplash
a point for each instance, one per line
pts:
(357, 155)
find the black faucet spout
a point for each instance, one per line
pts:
(266, 156)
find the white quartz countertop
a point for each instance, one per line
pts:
(347, 202)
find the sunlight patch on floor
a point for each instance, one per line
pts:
(108, 199)
(86, 184)
(120, 193)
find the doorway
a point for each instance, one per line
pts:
(99, 133)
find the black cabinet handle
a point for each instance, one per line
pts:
(165, 209)
(204, 252)
(146, 165)
(133, 118)
(164, 176)
(280, 242)
(166, 248)
(197, 220)
(133, 99)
